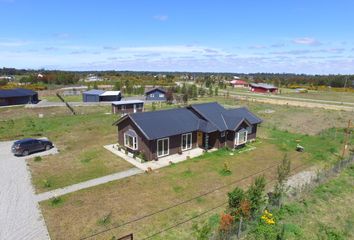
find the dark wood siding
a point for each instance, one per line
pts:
(143, 143)
(129, 108)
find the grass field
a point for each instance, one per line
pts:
(54, 98)
(314, 95)
(79, 140)
(78, 215)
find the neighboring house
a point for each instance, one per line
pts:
(129, 106)
(160, 133)
(239, 84)
(17, 96)
(93, 78)
(156, 94)
(95, 95)
(263, 88)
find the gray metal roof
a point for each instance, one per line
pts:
(16, 92)
(159, 124)
(222, 118)
(209, 117)
(94, 92)
(126, 102)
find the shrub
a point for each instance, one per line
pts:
(202, 232)
(56, 200)
(226, 170)
(38, 159)
(47, 183)
(106, 219)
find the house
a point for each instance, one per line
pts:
(129, 106)
(156, 94)
(239, 84)
(93, 78)
(263, 88)
(96, 95)
(160, 133)
(17, 96)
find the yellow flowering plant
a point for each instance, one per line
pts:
(267, 217)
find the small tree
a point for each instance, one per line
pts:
(210, 93)
(202, 232)
(216, 91)
(255, 195)
(235, 199)
(283, 172)
(185, 98)
(95, 85)
(117, 86)
(169, 96)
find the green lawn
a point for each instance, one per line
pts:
(54, 98)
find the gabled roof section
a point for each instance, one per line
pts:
(155, 89)
(127, 102)
(110, 93)
(246, 114)
(164, 123)
(224, 119)
(212, 112)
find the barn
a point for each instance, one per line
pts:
(263, 88)
(17, 96)
(96, 95)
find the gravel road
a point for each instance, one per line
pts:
(20, 216)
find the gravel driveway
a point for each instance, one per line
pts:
(20, 216)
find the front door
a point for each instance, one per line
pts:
(200, 139)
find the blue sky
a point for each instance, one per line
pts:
(300, 36)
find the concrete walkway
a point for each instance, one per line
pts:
(20, 216)
(162, 162)
(90, 183)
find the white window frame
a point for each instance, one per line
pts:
(152, 95)
(223, 134)
(237, 138)
(191, 143)
(161, 95)
(157, 147)
(135, 142)
(123, 107)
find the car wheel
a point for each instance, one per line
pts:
(47, 147)
(25, 153)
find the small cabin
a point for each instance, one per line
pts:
(129, 106)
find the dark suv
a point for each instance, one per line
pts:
(29, 145)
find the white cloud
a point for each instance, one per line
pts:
(306, 41)
(13, 43)
(161, 17)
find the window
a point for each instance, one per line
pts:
(151, 95)
(249, 129)
(186, 141)
(241, 137)
(163, 147)
(130, 140)
(161, 95)
(222, 134)
(123, 107)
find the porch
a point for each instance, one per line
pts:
(161, 162)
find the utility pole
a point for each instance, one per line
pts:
(347, 132)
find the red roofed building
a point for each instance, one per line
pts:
(263, 88)
(239, 84)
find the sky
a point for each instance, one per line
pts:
(293, 36)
